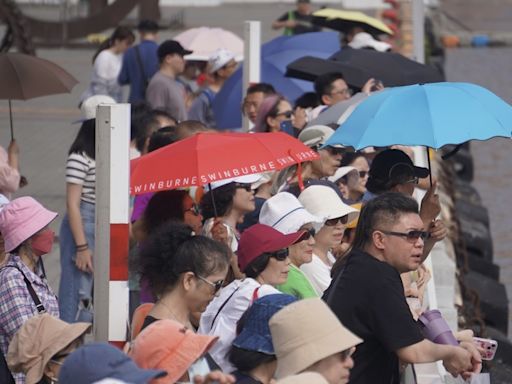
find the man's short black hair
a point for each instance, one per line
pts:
(265, 88)
(324, 83)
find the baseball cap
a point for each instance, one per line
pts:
(340, 172)
(284, 212)
(392, 166)
(97, 361)
(169, 47)
(147, 26)
(317, 135)
(259, 239)
(219, 59)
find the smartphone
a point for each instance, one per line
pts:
(489, 346)
(287, 127)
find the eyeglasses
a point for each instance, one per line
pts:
(194, 209)
(247, 187)
(280, 255)
(336, 220)
(344, 91)
(309, 233)
(287, 114)
(335, 151)
(412, 236)
(217, 285)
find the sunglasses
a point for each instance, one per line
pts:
(280, 255)
(194, 209)
(345, 354)
(336, 220)
(287, 114)
(308, 234)
(247, 187)
(217, 285)
(362, 174)
(335, 151)
(412, 236)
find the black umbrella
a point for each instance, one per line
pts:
(391, 68)
(309, 68)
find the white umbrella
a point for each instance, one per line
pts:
(204, 41)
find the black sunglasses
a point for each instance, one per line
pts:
(247, 187)
(194, 209)
(362, 174)
(336, 220)
(335, 151)
(217, 285)
(308, 233)
(287, 114)
(409, 236)
(280, 255)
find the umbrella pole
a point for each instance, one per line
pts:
(429, 167)
(10, 119)
(213, 199)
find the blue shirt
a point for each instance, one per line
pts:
(131, 72)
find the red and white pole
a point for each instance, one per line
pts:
(111, 292)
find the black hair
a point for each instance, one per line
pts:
(172, 250)
(138, 110)
(349, 157)
(85, 140)
(245, 360)
(161, 113)
(223, 201)
(162, 207)
(189, 127)
(146, 124)
(324, 83)
(164, 136)
(258, 265)
(120, 33)
(266, 88)
(383, 210)
(307, 100)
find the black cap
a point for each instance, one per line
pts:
(148, 26)
(391, 167)
(170, 47)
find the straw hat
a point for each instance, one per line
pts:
(39, 339)
(300, 344)
(323, 201)
(304, 378)
(168, 345)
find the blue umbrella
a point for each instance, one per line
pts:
(275, 56)
(432, 115)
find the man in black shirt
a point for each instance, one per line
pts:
(367, 295)
(298, 21)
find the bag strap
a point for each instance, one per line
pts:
(39, 306)
(141, 66)
(224, 304)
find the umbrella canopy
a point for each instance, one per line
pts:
(344, 21)
(432, 115)
(204, 41)
(309, 68)
(208, 157)
(25, 77)
(391, 68)
(339, 112)
(275, 56)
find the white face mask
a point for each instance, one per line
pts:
(199, 368)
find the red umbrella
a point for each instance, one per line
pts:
(208, 157)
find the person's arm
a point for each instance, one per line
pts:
(9, 168)
(284, 22)
(456, 360)
(84, 254)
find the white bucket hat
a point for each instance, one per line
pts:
(365, 40)
(286, 214)
(301, 343)
(89, 106)
(342, 171)
(323, 201)
(316, 135)
(219, 58)
(246, 179)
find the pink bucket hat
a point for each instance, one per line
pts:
(22, 218)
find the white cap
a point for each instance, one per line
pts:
(316, 135)
(342, 171)
(89, 105)
(285, 213)
(365, 40)
(219, 58)
(323, 201)
(246, 179)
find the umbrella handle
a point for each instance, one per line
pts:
(10, 119)
(213, 200)
(429, 167)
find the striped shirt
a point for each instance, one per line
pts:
(16, 304)
(81, 169)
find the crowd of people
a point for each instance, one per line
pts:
(313, 274)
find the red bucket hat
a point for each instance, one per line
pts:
(260, 239)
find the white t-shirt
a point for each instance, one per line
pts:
(319, 273)
(108, 65)
(221, 319)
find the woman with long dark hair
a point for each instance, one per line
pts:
(76, 237)
(107, 63)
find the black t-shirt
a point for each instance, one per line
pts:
(304, 24)
(368, 298)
